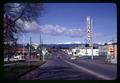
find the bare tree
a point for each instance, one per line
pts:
(15, 14)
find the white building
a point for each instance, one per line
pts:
(68, 51)
(84, 52)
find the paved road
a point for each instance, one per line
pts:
(107, 70)
(98, 65)
(65, 69)
(57, 69)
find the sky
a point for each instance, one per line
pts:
(63, 23)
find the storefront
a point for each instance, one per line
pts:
(85, 52)
(112, 53)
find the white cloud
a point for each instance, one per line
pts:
(100, 43)
(74, 32)
(70, 43)
(67, 43)
(77, 42)
(53, 30)
(31, 26)
(59, 30)
(59, 43)
(109, 42)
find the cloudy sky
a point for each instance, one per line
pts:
(66, 23)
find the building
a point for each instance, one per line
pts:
(109, 51)
(112, 53)
(82, 51)
(68, 51)
(103, 50)
(23, 51)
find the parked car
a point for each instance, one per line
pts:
(19, 57)
(73, 58)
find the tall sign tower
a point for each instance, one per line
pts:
(89, 35)
(88, 31)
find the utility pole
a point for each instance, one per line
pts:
(41, 55)
(113, 48)
(23, 44)
(30, 49)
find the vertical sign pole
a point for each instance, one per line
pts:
(89, 35)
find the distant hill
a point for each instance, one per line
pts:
(60, 45)
(65, 45)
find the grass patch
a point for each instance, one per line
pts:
(18, 69)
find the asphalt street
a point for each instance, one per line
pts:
(59, 67)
